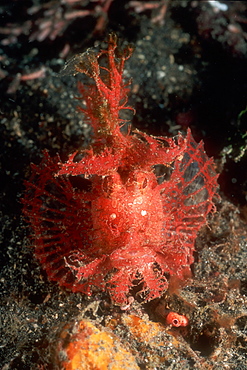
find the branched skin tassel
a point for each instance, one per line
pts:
(133, 214)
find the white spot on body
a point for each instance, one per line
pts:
(138, 200)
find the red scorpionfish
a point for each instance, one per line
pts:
(133, 219)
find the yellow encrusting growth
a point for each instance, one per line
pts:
(83, 346)
(142, 330)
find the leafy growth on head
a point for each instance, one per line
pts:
(108, 95)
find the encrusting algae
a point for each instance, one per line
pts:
(83, 346)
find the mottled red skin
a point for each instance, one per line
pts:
(133, 216)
